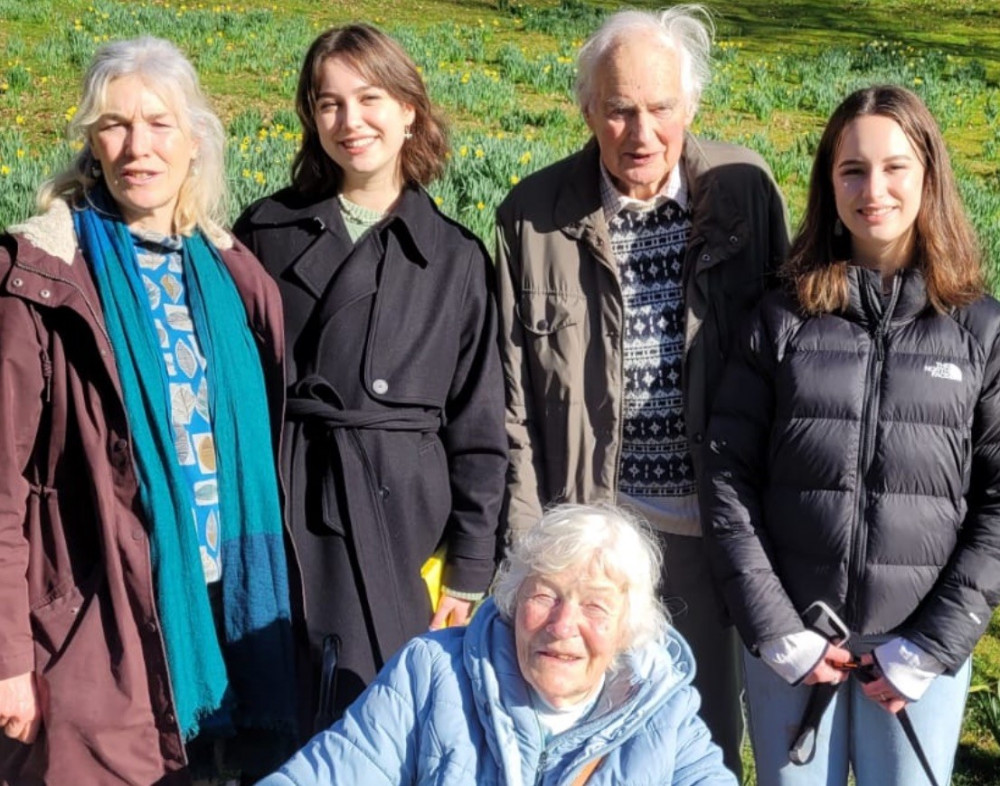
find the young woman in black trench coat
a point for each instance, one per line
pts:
(394, 438)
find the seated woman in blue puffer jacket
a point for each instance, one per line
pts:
(569, 674)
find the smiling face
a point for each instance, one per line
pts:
(361, 127)
(638, 112)
(878, 182)
(568, 628)
(144, 153)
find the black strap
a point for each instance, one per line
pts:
(327, 714)
(911, 735)
(804, 746)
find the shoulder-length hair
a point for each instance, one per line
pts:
(383, 63)
(162, 68)
(946, 250)
(599, 537)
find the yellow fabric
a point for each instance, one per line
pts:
(432, 573)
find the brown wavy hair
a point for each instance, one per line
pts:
(383, 63)
(946, 248)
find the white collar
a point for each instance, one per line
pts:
(614, 201)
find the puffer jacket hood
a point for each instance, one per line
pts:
(855, 458)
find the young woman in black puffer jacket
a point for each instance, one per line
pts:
(855, 458)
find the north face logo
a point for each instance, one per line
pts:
(944, 371)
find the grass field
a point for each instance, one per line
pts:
(502, 71)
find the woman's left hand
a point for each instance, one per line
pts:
(451, 611)
(880, 690)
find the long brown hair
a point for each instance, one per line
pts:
(383, 63)
(946, 249)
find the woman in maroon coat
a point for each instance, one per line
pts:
(137, 338)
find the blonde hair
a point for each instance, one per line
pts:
(201, 202)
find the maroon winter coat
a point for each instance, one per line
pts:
(77, 604)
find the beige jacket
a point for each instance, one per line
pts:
(561, 313)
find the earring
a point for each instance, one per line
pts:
(195, 168)
(95, 169)
(407, 134)
(838, 228)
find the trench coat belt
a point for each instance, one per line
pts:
(313, 400)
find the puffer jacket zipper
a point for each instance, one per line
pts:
(543, 759)
(866, 446)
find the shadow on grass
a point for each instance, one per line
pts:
(975, 767)
(951, 30)
(956, 29)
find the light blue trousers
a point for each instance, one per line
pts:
(855, 732)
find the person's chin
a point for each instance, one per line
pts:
(639, 183)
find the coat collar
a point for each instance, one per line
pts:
(416, 215)
(413, 215)
(578, 210)
(52, 234)
(47, 246)
(866, 304)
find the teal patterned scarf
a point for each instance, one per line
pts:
(245, 680)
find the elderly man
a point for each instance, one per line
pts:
(624, 272)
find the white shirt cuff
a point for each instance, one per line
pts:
(907, 668)
(793, 656)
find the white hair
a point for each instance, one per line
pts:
(686, 29)
(163, 69)
(600, 537)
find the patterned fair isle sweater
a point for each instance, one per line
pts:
(649, 247)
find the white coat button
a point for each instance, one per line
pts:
(45, 293)
(380, 386)
(17, 282)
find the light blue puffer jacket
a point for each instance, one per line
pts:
(451, 709)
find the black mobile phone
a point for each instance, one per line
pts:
(824, 620)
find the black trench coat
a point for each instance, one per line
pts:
(394, 437)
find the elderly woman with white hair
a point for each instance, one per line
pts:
(138, 488)
(570, 674)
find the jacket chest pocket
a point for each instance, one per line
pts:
(556, 333)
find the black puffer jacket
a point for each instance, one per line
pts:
(855, 458)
